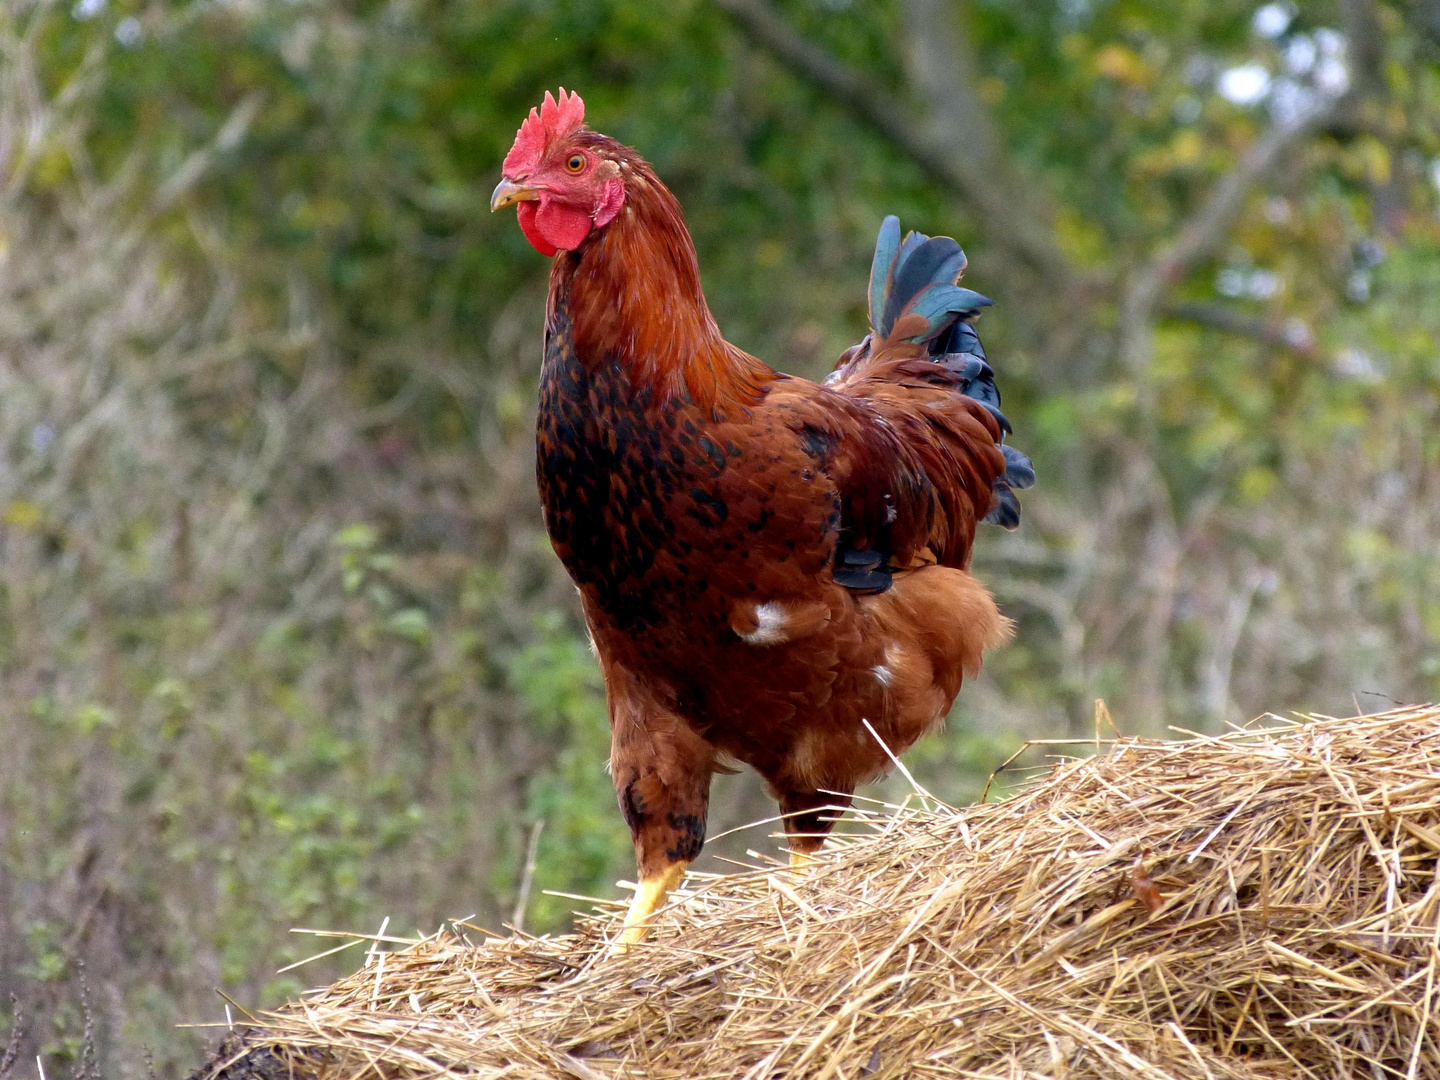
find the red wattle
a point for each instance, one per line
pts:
(526, 213)
(562, 226)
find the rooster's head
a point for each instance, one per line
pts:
(561, 175)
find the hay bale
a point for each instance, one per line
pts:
(1262, 904)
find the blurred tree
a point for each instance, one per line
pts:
(281, 640)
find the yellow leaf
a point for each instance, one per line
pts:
(1186, 148)
(1256, 483)
(770, 253)
(1081, 240)
(1123, 65)
(52, 167)
(1377, 160)
(22, 514)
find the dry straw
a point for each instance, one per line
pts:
(1262, 904)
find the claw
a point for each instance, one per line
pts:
(649, 898)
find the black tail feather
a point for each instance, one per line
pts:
(1005, 509)
(1019, 472)
(920, 275)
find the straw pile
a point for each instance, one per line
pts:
(1262, 904)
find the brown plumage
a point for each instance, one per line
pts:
(706, 506)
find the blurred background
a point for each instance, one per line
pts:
(282, 642)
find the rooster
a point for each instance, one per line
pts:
(765, 564)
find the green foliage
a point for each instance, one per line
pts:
(584, 844)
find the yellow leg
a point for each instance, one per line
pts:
(650, 897)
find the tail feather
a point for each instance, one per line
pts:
(977, 381)
(1004, 507)
(917, 276)
(941, 306)
(887, 246)
(960, 338)
(931, 265)
(1019, 471)
(915, 295)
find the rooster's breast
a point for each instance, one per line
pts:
(666, 515)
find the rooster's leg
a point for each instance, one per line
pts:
(649, 898)
(809, 816)
(662, 777)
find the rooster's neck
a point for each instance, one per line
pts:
(632, 295)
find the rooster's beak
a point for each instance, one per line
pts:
(508, 192)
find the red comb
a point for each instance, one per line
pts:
(541, 127)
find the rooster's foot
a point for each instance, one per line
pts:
(649, 898)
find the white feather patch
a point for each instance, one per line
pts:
(770, 620)
(885, 673)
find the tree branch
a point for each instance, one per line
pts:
(1364, 48)
(1292, 336)
(1426, 16)
(938, 142)
(943, 71)
(193, 169)
(1207, 228)
(1204, 231)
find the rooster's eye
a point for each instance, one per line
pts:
(576, 162)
